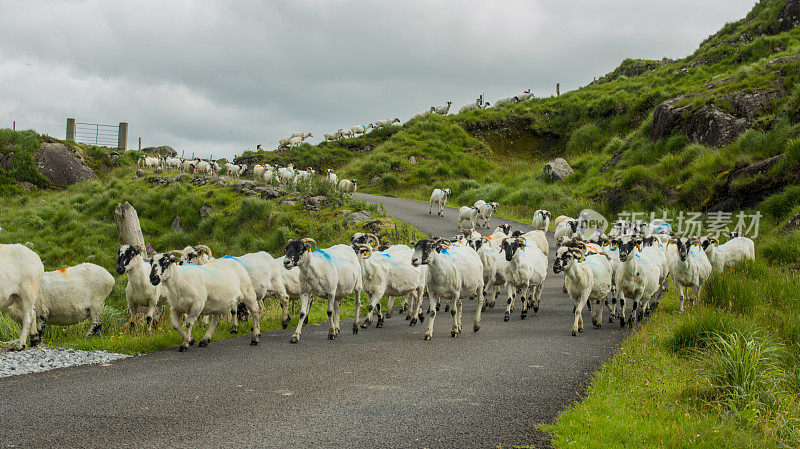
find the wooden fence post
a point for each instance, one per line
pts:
(558, 90)
(128, 227)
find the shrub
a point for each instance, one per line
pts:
(585, 138)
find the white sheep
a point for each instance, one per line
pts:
(474, 106)
(331, 273)
(506, 101)
(346, 133)
(537, 238)
(525, 95)
(385, 123)
(148, 162)
(638, 277)
(361, 129)
(333, 136)
(728, 254)
(331, 177)
(525, 274)
(348, 186)
(541, 220)
(439, 197)
(443, 110)
(470, 214)
(568, 229)
(21, 271)
(258, 172)
(139, 292)
(234, 170)
(286, 175)
(69, 296)
(689, 268)
(494, 268)
(588, 280)
(172, 163)
(425, 113)
(485, 211)
(215, 289)
(454, 273)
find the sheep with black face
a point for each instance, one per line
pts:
(637, 278)
(587, 278)
(689, 267)
(525, 274)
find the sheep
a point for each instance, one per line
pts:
(525, 273)
(690, 267)
(234, 170)
(189, 165)
(466, 213)
(139, 291)
(148, 162)
(361, 129)
(728, 254)
(439, 197)
(258, 172)
(503, 229)
(443, 110)
(493, 268)
(304, 175)
(269, 176)
(172, 163)
(348, 186)
(568, 228)
(525, 96)
(285, 285)
(295, 141)
(637, 278)
(204, 167)
(453, 273)
(485, 211)
(541, 220)
(385, 123)
(332, 136)
(69, 296)
(21, 271)
(213, 289)
(305, 136)
(535, 237)
(588, 279)
(425, 113)
(331, 273)
(345, 133)
(331, 177)
(389, 272)
(286, 175)
(506, 101)
(560, 219)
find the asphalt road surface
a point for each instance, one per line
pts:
(381, 388)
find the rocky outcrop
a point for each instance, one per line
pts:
(61, 165)
(164, 150)
(315, 203)
(708, 125)
(557, 169)
(357, 217)
(789, 16)
(739, 192)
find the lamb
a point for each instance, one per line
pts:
(443, 110)
(235, 170)
(213, 289)
(139, 292)
(728, 254)
(189, 165)
(453, 273)
(331, 273)
(637, 278)
(348, 186)
(466, 213)
(485, 211)
(506, 101)
(295, 141)
(389, 272)
(541, 220)
(588, 279)
(439, 197)
(69, 296)
(331, 177)
(22, 271)
(690, 267)
(425, 113)
(525, 274)
(384, 123)
(304, 175)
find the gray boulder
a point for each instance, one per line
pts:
(61, 165)
(357, 217)
(557, 169)
(315, 203)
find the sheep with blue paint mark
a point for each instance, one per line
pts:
(139, 291)
(588, 279)
(332, 273)
(689, 268)
(525, 273)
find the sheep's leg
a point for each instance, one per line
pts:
(332, 319)
(389, 306)
(96, 314)
(132, 312)
(357, 296)
(336, 315)
(152, 304)
(415, 308)
(495, 293)
(454, 313)
(430, 210)
(285, 318)
(303, 314)
(186, 333)
(621, 313)
(39, 324)
(537, 298)
(681, 294)
(234, 318)
(210, 331)
(512, 293)
(577, 325)
(254, 308)
(26, 300)
(374, 303)
(432, 312)
(476, 326)
(524, 301)
(597, 314)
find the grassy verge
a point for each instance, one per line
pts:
(723, 374)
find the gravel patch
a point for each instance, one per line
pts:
(39, 360)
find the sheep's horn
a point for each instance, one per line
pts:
(139, 248)
(374, 238)
(445, 242)
(308, 240)
(203, 249)
(367, 248)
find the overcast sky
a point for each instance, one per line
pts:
(220, 77)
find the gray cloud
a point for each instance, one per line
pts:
(220, 77)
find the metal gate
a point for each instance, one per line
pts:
(97, 134)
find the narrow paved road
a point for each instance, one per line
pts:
(381, 388)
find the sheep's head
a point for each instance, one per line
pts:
(510, 245)
(296, 250)
(395, 120)
(684, 245)
(446, 192)
(425, 248)
(159, 266)
(628, 245)
(125, 254)
(707, 242)
(566, 255)
(363, 251)
(506, 228)
(364, 238)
